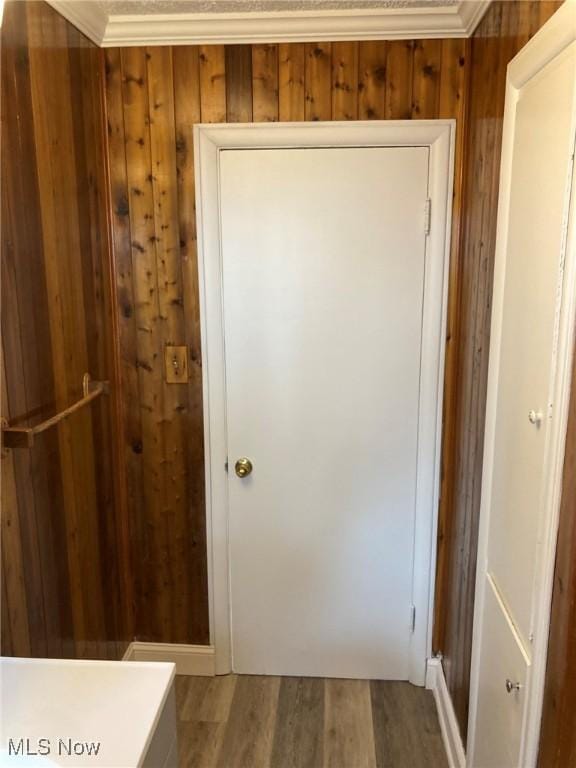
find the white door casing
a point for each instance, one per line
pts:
(437, 137)
(535, 219)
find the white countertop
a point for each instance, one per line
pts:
(70, 704)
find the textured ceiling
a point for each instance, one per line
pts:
(139, 7)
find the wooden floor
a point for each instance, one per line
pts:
(293, 722)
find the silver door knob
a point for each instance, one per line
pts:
(243, 467)
(510, 686)
(535, 417)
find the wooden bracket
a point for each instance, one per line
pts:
(23, 437)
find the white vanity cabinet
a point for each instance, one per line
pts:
(87, 713)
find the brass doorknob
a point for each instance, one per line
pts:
(512, 686)
(243, 467)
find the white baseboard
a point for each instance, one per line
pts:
(436, 682)
(189, 659)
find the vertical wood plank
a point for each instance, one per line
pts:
(59, 183)
(344, 81)
(212, 60)
(557, 737)
(13, 564)
(399, 65)
(25, 318)
(5, 627)
(124, 328)
(546, 8)
(318, 81)
(372, 80)
(453, 80)
(15, 601)
(153, 612)
(426, 79)
(187, 112)
(175, 502)
(86, 83)
(265, 106)
(291, 87)
(238, 84)
(453, 89)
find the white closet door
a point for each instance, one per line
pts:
(543, 144)
(522, 407)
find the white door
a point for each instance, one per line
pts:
(323, 261)
(522, 407)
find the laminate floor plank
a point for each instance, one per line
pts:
(299, 731)
(199, 743)
(406, 729)
(190, 692)
(348, 729)
(210, 702)
(249, 732)
(249, 721)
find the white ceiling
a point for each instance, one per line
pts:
(178, 22)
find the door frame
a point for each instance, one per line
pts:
(550, 41)
(209, 141)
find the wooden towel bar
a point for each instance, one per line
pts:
(23, 437)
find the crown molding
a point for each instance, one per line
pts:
(89, 18)
(471, 14)
(115, 30)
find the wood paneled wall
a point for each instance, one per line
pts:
(154, 96)
(558, 734)
(65, 587)
(507, 26)
(67, 584)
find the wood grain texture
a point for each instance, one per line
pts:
(348, 726)
(372, 81)
(426, 78)
(291, 85)
(454, 89)
(504, 30)
(187, 112)
(310, 722)
(344, 81)
(399, 84)
(173, 514)
(299, 732)
(238, 84)
(419, 743)
(213, 84)
(163, 93)
(206, 699)
(249, 735)
(53, 302)
(61, 512)
(558, 736)
(318, 81)
(265, 106)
